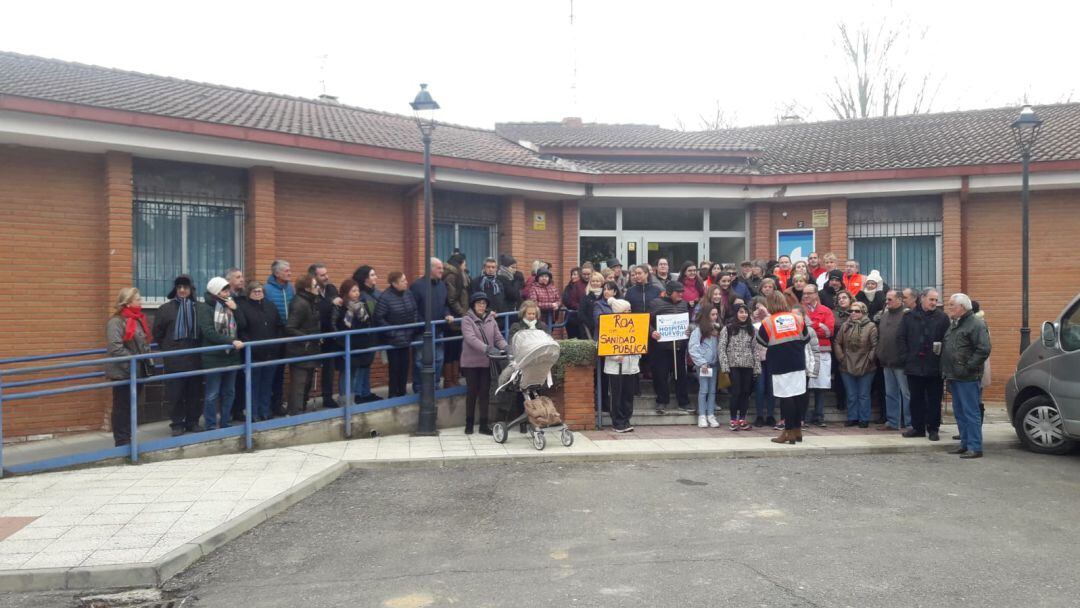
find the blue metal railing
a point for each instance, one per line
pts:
(135, 448)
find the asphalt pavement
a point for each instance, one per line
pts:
(922, 529)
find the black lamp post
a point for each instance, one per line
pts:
(424, 108)
(1026, 130)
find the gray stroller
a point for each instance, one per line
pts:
(532, 354)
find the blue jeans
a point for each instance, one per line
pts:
(706, 397)
(819, 405)
(223, 385)
(858, 396)
(897, 397)
(966, 397)
(262, 385)
(764, 404)
(361, 386)
(418, 355)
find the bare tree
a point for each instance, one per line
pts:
(876, 83)
(717, 119)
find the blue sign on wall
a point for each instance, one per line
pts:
(795, 243)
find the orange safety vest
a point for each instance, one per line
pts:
(783, 327)
(853, 283)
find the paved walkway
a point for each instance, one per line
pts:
(140, 525)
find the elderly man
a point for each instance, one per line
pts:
(823, 323)
(897, 396)
(963, 352)
(279, 290)
(783, 272)
(620, 277)
(919, 343)
(910, 298)
(238, 293)
(853, 281)
(440, 310)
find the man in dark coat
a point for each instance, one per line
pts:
(327, 300)
(493, 286)
(440, 311)
(513, 280)
(921, 328)
(660, 357)
(176, 328)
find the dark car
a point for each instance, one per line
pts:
(1043, 395)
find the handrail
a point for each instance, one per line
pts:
(249, 427)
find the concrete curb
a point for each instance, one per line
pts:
(152, 574)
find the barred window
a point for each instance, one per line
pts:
(200, 235)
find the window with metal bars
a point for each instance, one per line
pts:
(906, 253)
(199, 235)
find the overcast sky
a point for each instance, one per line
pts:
(503, 60)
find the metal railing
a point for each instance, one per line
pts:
(135, 447)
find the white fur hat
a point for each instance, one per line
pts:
(874, 276)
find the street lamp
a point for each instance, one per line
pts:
(424, 109)
(1026, 130)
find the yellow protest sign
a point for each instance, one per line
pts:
(623, 334)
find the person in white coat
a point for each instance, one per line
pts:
(622, 372)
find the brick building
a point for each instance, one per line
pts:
(112, 178)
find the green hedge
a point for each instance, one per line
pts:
(572, 353)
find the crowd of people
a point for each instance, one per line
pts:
(777, 332)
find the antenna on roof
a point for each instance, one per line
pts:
(322, 73)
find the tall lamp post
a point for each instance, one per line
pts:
(1026, 130)
(424, 108)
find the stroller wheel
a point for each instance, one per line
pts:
(499, 432)
(538, 440)
(567, 437)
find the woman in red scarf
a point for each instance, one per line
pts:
(127, 333)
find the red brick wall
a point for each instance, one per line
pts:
(762, 243)
(952, 268)
(797, 212)
(991, 225)
(576, 400)
(514, 222)
(53, 249)
(838, 241)
(260, 233)
(546, 244)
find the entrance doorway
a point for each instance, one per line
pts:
(642, 247)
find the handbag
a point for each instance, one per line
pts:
(723, 380)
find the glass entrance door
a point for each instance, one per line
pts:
(649, 247)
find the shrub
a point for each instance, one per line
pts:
(572, 353)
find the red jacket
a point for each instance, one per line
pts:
(545, 296)
(823, 322)
(784, 276)
(816, 272)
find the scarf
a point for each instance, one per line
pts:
(486, 281)
(224, 321)
(184, 329)
(595, 291)
(505, 273)
(355, 313)
(133, 315)
(529, 324)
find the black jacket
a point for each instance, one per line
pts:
(873, 307)
(664, 306)
(397, 308)
(918, 332)
(496, 302)
(640, 296)
(326, 308)
(164, 324)
(259, 321)
(303, 321)
(356, 341)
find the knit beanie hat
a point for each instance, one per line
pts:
(618, 306)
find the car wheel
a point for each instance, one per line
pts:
(1040, 427)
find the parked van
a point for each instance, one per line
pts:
(1043, 396)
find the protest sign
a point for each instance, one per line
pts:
(672, 327)
(623, 334)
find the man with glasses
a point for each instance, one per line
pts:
(919, 345)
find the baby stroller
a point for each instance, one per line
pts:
(534, 352)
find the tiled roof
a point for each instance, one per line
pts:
(618, 136)
(61, 81)
(665, 166)
(973, 137)
(978, 137)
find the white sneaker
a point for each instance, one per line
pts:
(713, 422)
(702, 422)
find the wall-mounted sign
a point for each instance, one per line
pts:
(654, 246)
(631, 246)
(819, 218)
(540, 220)
(795, 243)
